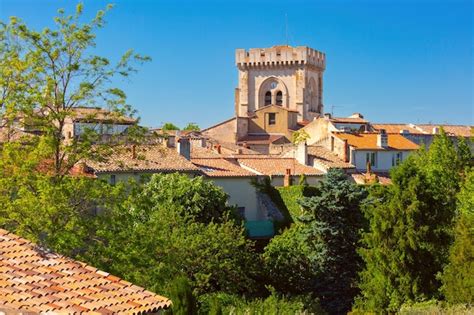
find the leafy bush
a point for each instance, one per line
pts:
(434, 307)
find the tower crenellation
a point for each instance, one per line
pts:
(280, 55)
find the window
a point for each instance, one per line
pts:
(271, 118)
(112, 179)
(372, 158)
(268, 98)
(279, 98)
(332, 144)
(396, 158)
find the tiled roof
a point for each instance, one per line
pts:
(14, 134)
(396, 128)
(326, 158)
(149, 158)
(37, 281)
(353, 120)
(364, 179)
(220, 167)
(99, 114)
(278, 166)
(368, 141)
(260, 139)
(452, 130)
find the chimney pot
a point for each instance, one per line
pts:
(134, 151)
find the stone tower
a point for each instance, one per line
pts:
(291, 77)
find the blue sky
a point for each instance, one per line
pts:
(393, 61)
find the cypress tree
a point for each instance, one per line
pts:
(458, 275)
(332, 220)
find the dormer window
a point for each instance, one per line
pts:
(268, 98)
(279, 98)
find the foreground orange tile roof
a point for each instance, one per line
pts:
(368, 141)
(37, 281)
(278, 166)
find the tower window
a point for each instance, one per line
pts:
(268, 98)
(279, 98)
(271, 118)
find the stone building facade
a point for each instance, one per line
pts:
(291, 77)
(279, 90)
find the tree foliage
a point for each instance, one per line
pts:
(160, 234)
(410, 229)
(318, 253)
(458, 275)
(50, 73)
(169, 126)
(192, 127)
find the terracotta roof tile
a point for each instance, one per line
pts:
(149, 158)
(364, 179)
(278, 166)
(396, 128)
(99, 114)
(354, 120)
(452, 130)
(326, 158)
(26, 286)
(368, 141)
(221, 167)
(260, 139)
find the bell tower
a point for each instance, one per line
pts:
(291, 77)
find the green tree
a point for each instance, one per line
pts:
(159, 234)
(54, 72)
(57, 215)
(410, 231)
(192, 127)
(169, 126)
(182, 298)
(318, 253)
(458, 275)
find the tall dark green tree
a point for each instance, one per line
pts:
(458, 275)
(318, 253)
(410, 229)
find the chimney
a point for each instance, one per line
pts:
(134, 151)
(302, 153)
(327, 115)
(346, 151)
(382, 139)
(184, 148)
(404, 131)
(239, 151)
(287, 178)
(435, 130)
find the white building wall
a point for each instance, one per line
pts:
(383, 159)
(241, 193)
